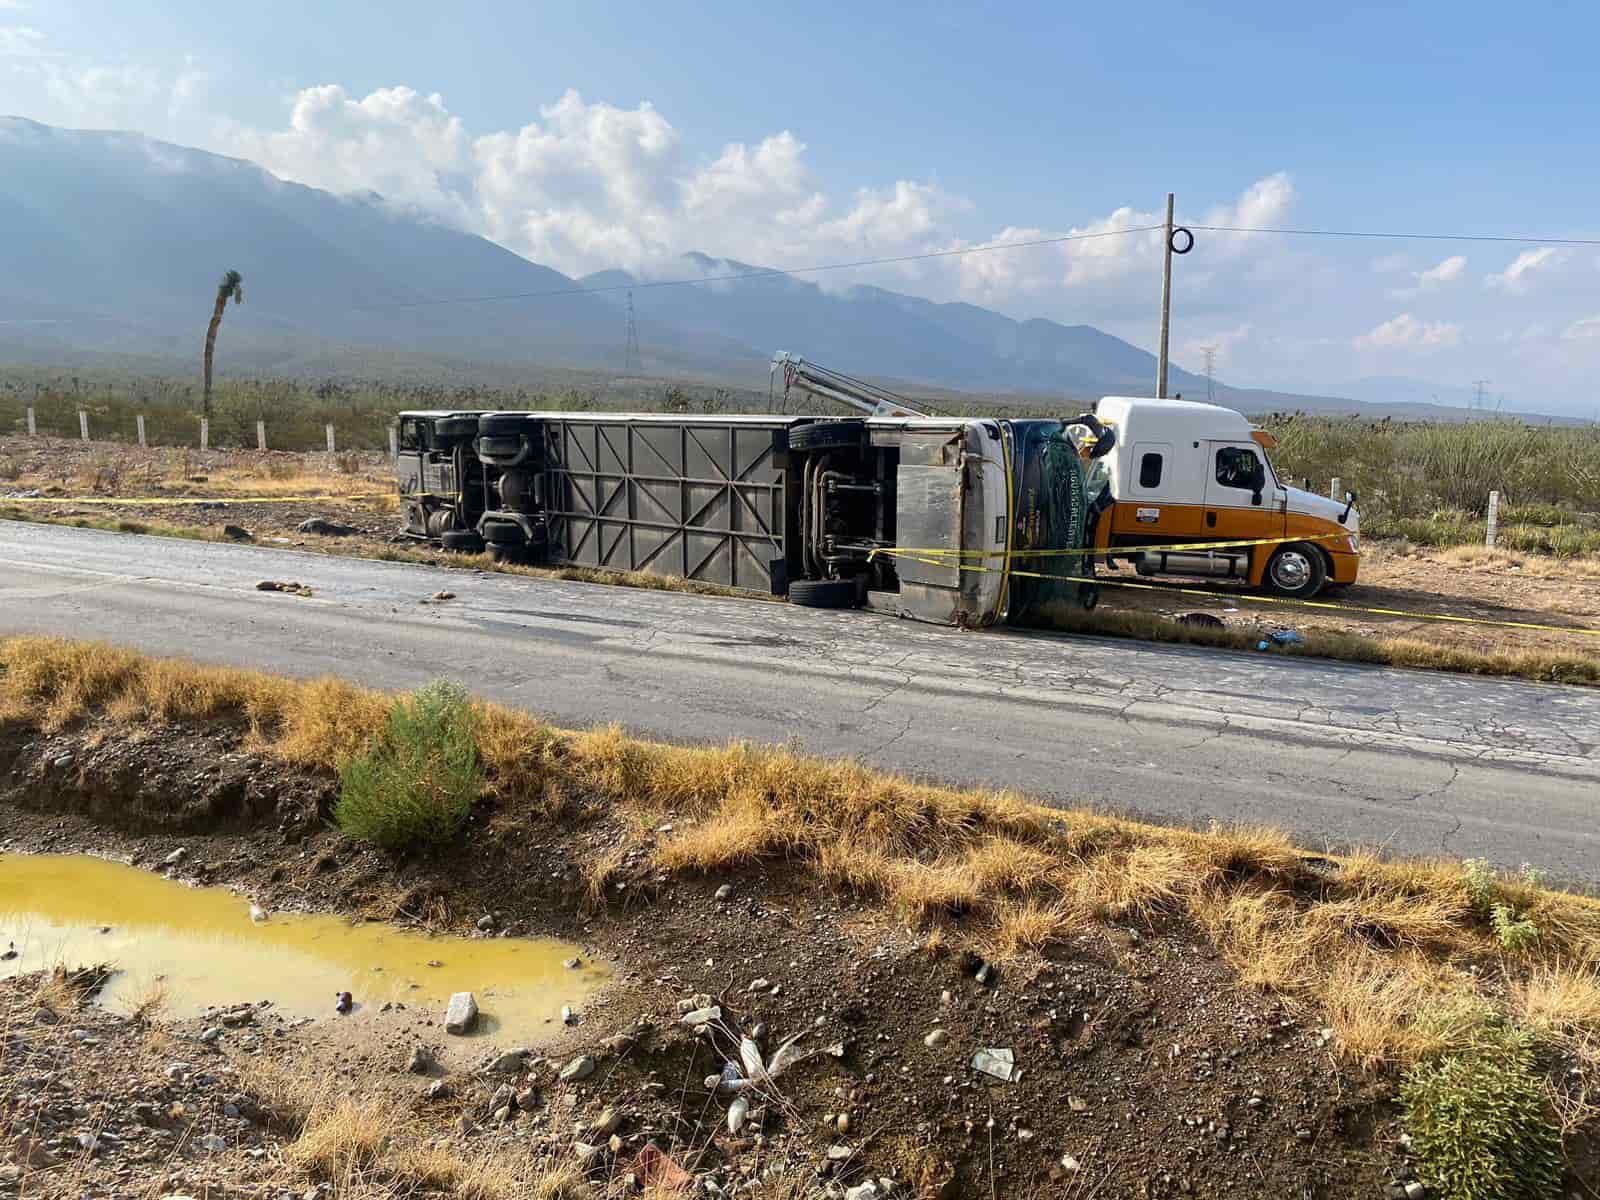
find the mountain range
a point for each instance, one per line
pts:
(111, 244)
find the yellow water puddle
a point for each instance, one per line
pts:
(203, 947)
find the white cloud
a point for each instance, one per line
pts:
(1405, 331)
(1586, 329)
(1446, 272)
(1519, 276)
(21, 41)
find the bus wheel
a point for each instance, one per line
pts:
(1296, 570)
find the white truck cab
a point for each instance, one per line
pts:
(1181, 473)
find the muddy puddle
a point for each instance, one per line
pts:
(203, 947)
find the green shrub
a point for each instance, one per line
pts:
(1513, 932)
(416, 785)
(1476, 1117)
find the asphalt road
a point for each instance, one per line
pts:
(1413, 762)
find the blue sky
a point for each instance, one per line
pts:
(592, 135)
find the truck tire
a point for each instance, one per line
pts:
(492, 446)
(828, 435)
(823, 593)
(503, 533)
(1295, 570)
(461, 541)
(449, 430)
(503, 424)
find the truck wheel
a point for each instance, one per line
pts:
(503, 424)
(504, 554)
(828, 435)
(823, 593)
(503, 533)
(461, 541)
(1295, 570)
(448, 430)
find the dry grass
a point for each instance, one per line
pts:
(342, 1138)
(1372, 945)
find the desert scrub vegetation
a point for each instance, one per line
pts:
(1476, 1113)
(416, 784)
(1430, 481)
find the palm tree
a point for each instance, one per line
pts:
(232, 285)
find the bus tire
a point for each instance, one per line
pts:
(461, 541)
(823, 593)
(449, 430)
(1295, 570)
(503, 424)
(828, 435)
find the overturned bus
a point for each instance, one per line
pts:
(951, 520)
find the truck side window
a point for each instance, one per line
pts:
(1150, 471)
(1238, 468)
(408, 436)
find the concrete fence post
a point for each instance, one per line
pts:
(138, 423)
(1492, 529)
(330, 437)
(261, 435)
(1334, 489)
(394, 443)
(33, 424)
(205, 433)
(83, 424)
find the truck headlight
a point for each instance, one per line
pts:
(1354, 542)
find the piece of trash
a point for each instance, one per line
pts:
(1287, 637)
(277, 585)
(703, 1016)
(1263, 644)
(658, 1173)
(1200, 620)
(995, 1062)
(737, 1112)
(344, 1003)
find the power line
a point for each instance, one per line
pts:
(765, 272)
(1416, 237)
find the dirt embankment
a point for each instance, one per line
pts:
(1142, 1068)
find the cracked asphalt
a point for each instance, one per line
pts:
(1411, 762)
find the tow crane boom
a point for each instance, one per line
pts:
(844, 389)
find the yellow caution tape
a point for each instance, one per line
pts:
(1077, 552)
(5, 500)
(1250, 599)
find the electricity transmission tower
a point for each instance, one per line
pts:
(630, 351)
(1479, 402)
(1210, 353)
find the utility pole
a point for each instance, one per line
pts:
(1166, 301)
(630, 351)
(1210, 353)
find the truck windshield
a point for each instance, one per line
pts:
(1049, 515)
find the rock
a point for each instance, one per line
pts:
(212, 1142)
(176, 857)
(839, 1152)
(509, 1063)
(725, 891)
(346, 1003)
(573, 963)
(324, 527)
(421, 1061)
(444, 596)
(236, 533)
(568, 1017)
(241, 1015)
(1077, 1104)
(702, 1016)
(1415, 1191)
(579, 1068)
(1070, 1164)
(214, 1034)
(759, 985)
(586, 1154)
(842, 1124)
(607, 1123)
(862, 1191)
(619, 1044)
(461, 1014)
(438, 1090)
(486, 922)
(935, 1039)
(738, 1111)
(1025, 1135)
(179, 1071)
(88, 1143)
(504, 1097)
